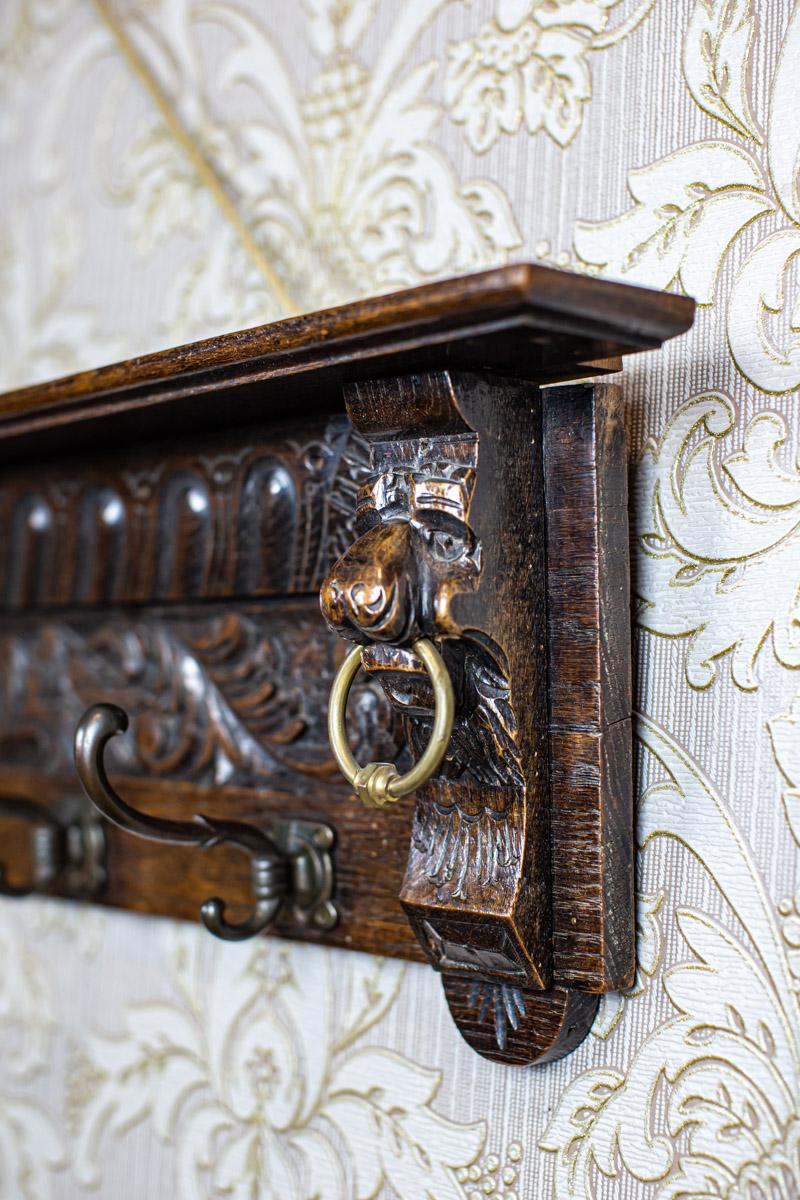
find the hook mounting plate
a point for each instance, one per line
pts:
(309, 846)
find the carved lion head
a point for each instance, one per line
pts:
(414, 551)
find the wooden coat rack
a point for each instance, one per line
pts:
(424, 459)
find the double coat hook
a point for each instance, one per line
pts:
(292, 869)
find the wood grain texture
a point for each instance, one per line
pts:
(517, 1026)
(173, 881)
(532, 486)
(448, 554)
(525, 320)
(216, 697)
(228, 712)
(589, 647)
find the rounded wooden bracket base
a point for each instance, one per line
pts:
(518, 1026)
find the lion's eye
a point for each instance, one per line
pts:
(444, 545)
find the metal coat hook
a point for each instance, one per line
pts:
(291, 870)
(47, 844)
(66, 850)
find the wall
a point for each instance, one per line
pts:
(176, 168)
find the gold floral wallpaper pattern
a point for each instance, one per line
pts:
(176, 168)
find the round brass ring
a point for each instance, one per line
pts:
(379, 784)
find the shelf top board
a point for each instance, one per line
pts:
(524, 320)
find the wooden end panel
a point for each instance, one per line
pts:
(589, 654)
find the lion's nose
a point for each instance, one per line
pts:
(366, 605)
(366, 595)
(369, 598)
(358, 604)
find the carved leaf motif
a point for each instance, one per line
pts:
(690, 207)
(217, 699)
(505, 1003)
(718, 563)
(716, 57)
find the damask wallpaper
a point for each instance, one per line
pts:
(176, 168)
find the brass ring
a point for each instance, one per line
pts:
(379, 784)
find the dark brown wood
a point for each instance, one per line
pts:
(524, 320)
(241, 513)
(589, 646)
(218, 697)
(518, 1026)
(173, 881)
(530, 606)
(459, 558)
(166, 523)
(227, 717)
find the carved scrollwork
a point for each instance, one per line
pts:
(493, 523)
(214, 697)
(430, 560)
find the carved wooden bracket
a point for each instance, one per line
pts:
(495, 523)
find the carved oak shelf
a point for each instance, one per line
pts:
(168, 523)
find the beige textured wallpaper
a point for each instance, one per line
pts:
(176, 168)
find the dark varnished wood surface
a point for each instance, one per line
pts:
(531, 485)
(524, 320)
(455, 435)
(518, 1029)
(260, 511)
(227, 709)
(588, 584)
(167, 522)
(146, 877)
(219, 696)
